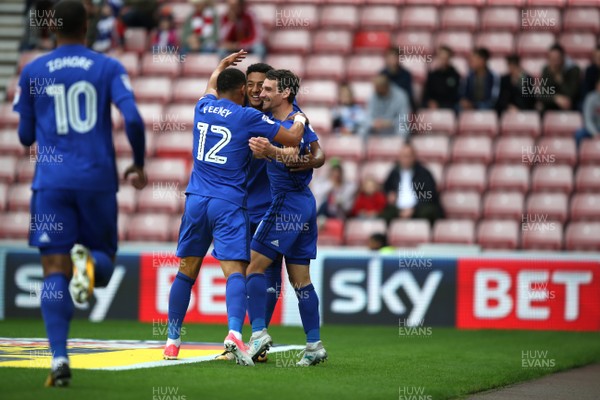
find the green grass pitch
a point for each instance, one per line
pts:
(364, 363)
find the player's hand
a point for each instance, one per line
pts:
(303, 163)
(233, 58)
(260, 146)
(140, 180)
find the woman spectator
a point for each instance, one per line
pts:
(370, 200)
(348, 115)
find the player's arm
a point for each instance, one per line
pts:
(122, 97)
(262, 148)
(23, 104)
(293, 136)
(232, 59)
(313, 160)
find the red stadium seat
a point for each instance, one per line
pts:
(476, 3)
(345, 147)
(374, 42)
(498, 43)
(174, 144)
(520, 123)
(416, 42)
(364, 66)
(332, 41)
(320, 119)
(325, 67)
(19, 197)
(589, 152)
(582, 3)
(534, 43)
(454, 231)
(459, 18)
(293, 62)
(383, 148)
(503, 205)
(550, 206)
(152, 89)
(181, 11)
(3, 196)
(161, 65)
(362, 91)
(582, 19)
(422, 17)
(171, 170)
(547, 3)
(174, 225)
(337, 16)
(152, 114)
(552, 178)
(465, 177)
(501, 19)
(8, 168)
(440, 121)
(437, 170)
(587, 178)
(578, 44)
(179, 117)
(425, 2)
(378, 170)
(559, 150)
(8, 117)
(199, 64)
(122, 226)
(498, 234)
(25, 170)
(188, 90)
(127, 199)
(161, 197)
(148, 227)
(290, 41)
(296, 16)
(472, 149)
(265, 14)
(331, 233)
(515, 3)
(131, 62)
(459, 204)
(409, 233)
(460, 42)
(318, 92)
(542, 236)
(562, 123)
(513, 149)
(358, 231)
(432, 148)
(136, 39)
(509, 177)
(583, 236)
(378, 17)
(533, 66)
(392, 2)
(14, 225)
(478, 123)
(585, 207)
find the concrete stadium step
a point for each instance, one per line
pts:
(12, 7)
(11, 32)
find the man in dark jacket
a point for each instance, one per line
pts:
(397, 74)
(411, 190)
(517, 91)
(560, 83)
(481, 87)
(443, 83)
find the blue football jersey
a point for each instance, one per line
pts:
(68, 93)
(221, 152)
(282, 180)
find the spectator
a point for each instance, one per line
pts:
(165, 37)
(334, 196)
(517, 91)
(481, 87)
(105, 29)
(591, 116)
(592, 73)
(139, 14)
(379, 242)
(386, 107)
(370, 200)
(397, 74)
(200, 30)
(443, 83)
(411, 190)
(560, 85)
(240, 30)
(347, 116)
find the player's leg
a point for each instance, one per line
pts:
(53, 229)
(231, 235)
(273, 277)
(194, 241)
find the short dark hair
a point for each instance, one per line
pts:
(230, 79)
(380, 238)
(286, 79)
(70, 18)
(513, 59)
(482, 52)
(557, 47)
(262, 68)
(447, 49)
(393, 49)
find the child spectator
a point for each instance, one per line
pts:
(370, 200)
